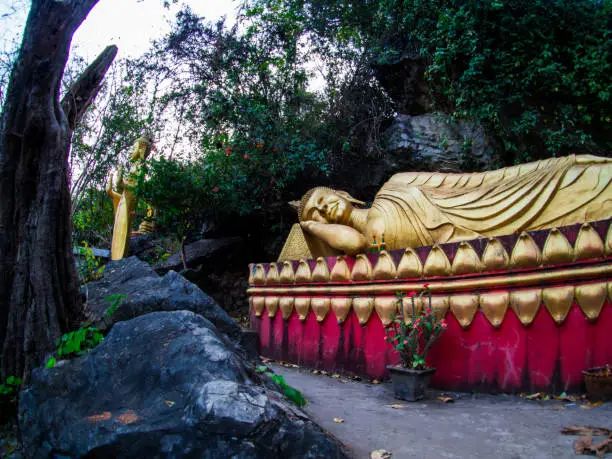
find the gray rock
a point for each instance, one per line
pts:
(435, 142)
(147, 292)
(168, 385)
(203, 252)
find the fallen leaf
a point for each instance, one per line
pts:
(95, 418)
(586, 407)
(338, 420)
(324, 373)
(598, 403)
(586, 430)
(335, 375)
(375, 381)
(170, 403)
(128, 417)
(535, 396)
(293, 365)
(316, 372)
(446, 399)
(380, 454)
(398, 407)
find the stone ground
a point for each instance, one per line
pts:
(474, 426)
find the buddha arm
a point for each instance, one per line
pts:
(339, 237)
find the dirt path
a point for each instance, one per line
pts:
(474, 426)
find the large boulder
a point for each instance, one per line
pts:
(217, 266)
(168, 385)
(145, 291)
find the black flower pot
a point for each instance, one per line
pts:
(408, 384)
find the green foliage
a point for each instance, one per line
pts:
(93, 218)
(537, 73)
(11, 386)
(115, 301)
(291, 393)
(90, 267)
(78, 342)
(413, 332)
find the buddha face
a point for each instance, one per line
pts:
(142, 148)
(327, 206)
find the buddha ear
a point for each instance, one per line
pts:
(349, 198)
(295, 205)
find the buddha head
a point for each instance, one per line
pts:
(325, 205)
(142, 148)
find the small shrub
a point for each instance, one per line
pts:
(291, 393)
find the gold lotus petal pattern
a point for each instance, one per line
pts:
(410, 265)
(303, 273)
(557, 248)
(341, 308)
(258, 304)
(321, 271)
(466, 260)
(287, 276)
(385, 267)
(286, 306)
(273, 276)
(320, 307)
(411, 306)
(437, 263)
(525, 304)
(494, 306)
(463, 308)
(590, 298)
(271, 305)
(362, 270)
(386, 308)
(526, 253)
(251, 270)
(495, 256)
(259, 278)
(588, 243)
(558, 301)
(302, 306)
(439, 304)
(341, 271)
(363, 309)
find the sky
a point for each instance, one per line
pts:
(129, 24)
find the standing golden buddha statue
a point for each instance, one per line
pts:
(121, 191)
(415, 209)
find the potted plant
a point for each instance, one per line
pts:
(412, 332)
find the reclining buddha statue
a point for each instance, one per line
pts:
(414, 209)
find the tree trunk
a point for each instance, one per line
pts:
(39, 289)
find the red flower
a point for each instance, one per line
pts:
(246, 156)
(426, 286)
(444, 325)
(228, 150)
(215, 189)
(412, 293)
(405, 342)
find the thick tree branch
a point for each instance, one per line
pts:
(86, 87)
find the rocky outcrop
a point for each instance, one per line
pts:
(203, 254)
(144, 291)
(217, 266)
(435, 142)
(166, 384)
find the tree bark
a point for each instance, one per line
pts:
(39, 288)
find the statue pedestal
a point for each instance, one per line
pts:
(525, 312)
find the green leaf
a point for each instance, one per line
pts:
(51, 362)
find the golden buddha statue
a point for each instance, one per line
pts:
(121, 191)
(415, 209)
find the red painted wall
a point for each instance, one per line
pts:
(544, 356)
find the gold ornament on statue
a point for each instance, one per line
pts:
(415, 209)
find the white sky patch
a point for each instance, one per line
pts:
(129, 24)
